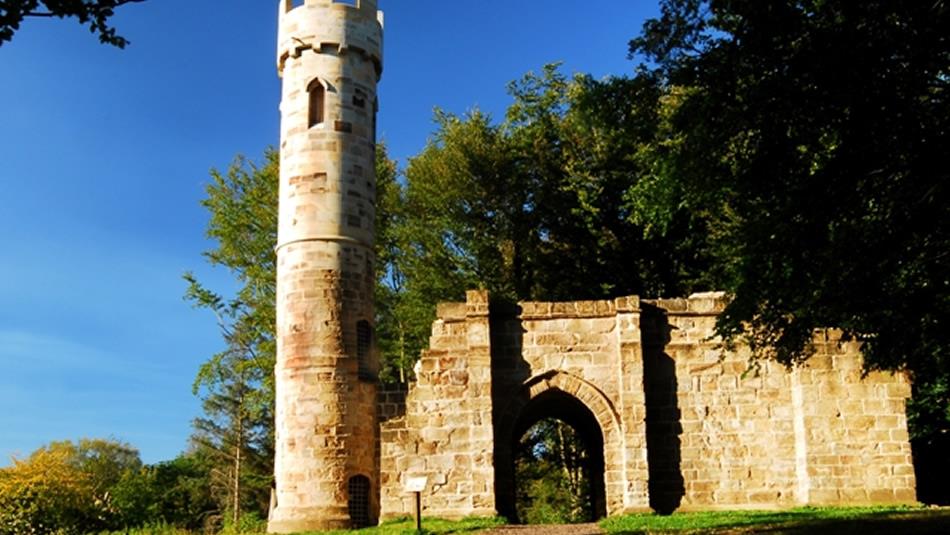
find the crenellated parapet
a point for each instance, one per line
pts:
(330, 27)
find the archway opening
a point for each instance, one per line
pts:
(558, 455)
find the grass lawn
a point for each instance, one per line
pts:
(807, 520)
(429, 526)
(838, 521)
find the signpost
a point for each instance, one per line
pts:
(417, 485)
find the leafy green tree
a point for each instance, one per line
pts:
(95, 13)
(534, 208)
(552, 476)
(175, 493)
(235, 434)
(811, 135)
(237, 383)
(182, 490)
(65, 487)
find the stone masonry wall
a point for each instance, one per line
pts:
(854, 446)
(719, 437)
(446, 432)
(769, 437)
(683, 424)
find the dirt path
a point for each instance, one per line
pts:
(568, 529)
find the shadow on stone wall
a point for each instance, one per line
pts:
(663, 427)
(508, 370)
(932, 469)
(514, 412)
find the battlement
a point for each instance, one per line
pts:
(333, 27)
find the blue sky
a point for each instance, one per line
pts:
(104, 155)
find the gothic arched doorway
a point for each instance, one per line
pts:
(546, 404)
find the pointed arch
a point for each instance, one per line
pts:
(567, 397)
(316, 102)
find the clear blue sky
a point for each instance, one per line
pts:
(104, 155)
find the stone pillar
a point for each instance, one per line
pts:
(329, 57)
(632, 406)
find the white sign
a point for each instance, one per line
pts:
(416, 484)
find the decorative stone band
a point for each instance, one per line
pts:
(339, 239)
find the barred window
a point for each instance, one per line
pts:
(358, 489)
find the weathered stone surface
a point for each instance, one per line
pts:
(673, 420)
(326, 409)
(684, 424)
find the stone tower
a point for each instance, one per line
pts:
(329, 55)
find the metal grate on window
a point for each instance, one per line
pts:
(358, 489)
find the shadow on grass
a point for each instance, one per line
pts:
(798, 521)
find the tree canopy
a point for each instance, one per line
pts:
(95, 13)
(810, 135)
(66, 487)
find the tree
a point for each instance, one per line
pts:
(533, 208)
(552, 475)
(236, 433)
(95, 13)
(811, 137)
(237, 383)
(65, 487)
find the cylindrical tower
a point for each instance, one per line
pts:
(329, 55)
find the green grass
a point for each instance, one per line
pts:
(433, 526)
(833, 521)
(837, 521)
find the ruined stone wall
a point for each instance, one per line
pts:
(594, 346)
(683, 424)
(718, 436)
(767, 437)
(446, 432)
(852, 430)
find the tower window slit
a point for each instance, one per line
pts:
(316, 105)
(359, 99)
(364, 341)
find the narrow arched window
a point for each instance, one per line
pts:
(359, 98)
(317, 96)
(364, 343)
(375, 113)
(358, 490)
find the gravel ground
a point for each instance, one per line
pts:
(569, 529)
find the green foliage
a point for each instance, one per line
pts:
(184, 486)
(65, 488)
(553, 483)
(95, 13)
(236, 384)
(249, 522)
(151, 529)
(814, 132)
(810, 138)
(533, 208)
